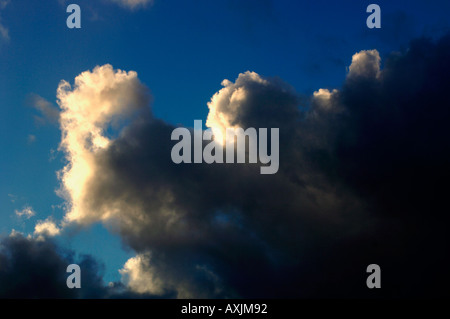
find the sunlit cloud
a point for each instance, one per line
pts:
(46, 228)
(98, 100)
(365, 63)
(27, 212)
(193, 219)
(140, 277)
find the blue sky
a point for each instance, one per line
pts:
(181, 50)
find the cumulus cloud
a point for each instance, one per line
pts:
(250, 101)
(163, 208)
(46, 228)
(365, 64)
(139, 277)
(30, 268)
(360, 181)
(98, 100)
(323, 99)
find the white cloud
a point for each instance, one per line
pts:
(27, 212)
(225, 105)
(141, 275)
(45, 228)
(138, 275)
(98, 99)
(365, 63)
(324, 98)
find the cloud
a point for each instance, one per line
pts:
(12, 198)
(360, 182)
(323, 100)
(37, 269)
(365, 64)
(115, 95)
(133, 4)
(138, 276)
(4, 32)
(49, 113)
(27, 212)
(163, 208)
(242, 104)
(31, 139)
(47, 228)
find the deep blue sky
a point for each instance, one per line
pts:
(182, 50)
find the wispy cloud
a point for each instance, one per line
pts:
(4, 32)
(31, 139)
(133, 4)
(48, 112)
(27, 212)
(12, 198)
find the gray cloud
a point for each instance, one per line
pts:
(31, 268)
(360, 181)
(4, 32)
(35, 268)
(48, 112)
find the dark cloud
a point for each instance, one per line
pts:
(362, 180)
(31, 268)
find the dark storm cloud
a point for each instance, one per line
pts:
(223, 218)
(31, 268)
(36, 269)
(362, 180)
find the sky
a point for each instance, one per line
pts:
(85, 169)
